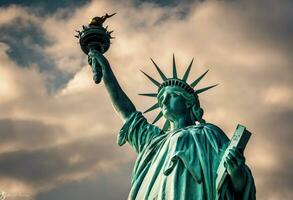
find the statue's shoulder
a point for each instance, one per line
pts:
(216, 137)
(213, 127)
(210, 129)
(205, 126)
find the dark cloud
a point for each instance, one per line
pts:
(28, 133)
(45, 7)
(182, 11)
(167, 2)
(26, 41)
(110, 185)
(277, 129)
(46, 165)
(271, 22)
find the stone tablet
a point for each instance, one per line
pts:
(239, 140)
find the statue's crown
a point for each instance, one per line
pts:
(174, 81)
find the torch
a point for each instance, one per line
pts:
(94, 39)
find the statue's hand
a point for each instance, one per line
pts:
(100, 58)
(235, 165)
(98, 62)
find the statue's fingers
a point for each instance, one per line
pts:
(232, 156)
(93, 67)
(90, 60)
(240, 156)
(225, 164)
(238, 149)
(229, 166)
(237, 152)
(240, 159)
(95, 77)
(231, 160)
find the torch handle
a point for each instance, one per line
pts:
(96, 68)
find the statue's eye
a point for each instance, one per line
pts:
(174, 95)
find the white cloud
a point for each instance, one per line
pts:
(280, 96)
(213, 32)
(8, 14)
(16, 190)
(80, 82)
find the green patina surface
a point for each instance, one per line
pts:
(180, 164)
(180, 160)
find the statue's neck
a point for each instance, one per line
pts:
(181, 122)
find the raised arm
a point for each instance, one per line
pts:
(120, 100)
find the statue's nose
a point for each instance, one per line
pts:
(165, 99)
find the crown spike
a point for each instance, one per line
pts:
(159, 70)
(174, 68)
(166, 125)
(152, 108)
(194, 83)
(158, 117)
(153, 80)
(205, 89)
(149, 94)
(187, 71)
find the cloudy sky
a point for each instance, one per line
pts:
(58, 129)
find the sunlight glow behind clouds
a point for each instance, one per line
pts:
(278, 96)
(218, 34)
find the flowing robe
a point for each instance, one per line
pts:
(180, 164)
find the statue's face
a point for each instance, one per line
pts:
(173, 104)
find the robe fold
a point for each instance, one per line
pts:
(180, 164)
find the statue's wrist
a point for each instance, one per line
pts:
(239, 180)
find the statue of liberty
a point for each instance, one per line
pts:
(180, 160)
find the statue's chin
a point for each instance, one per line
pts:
(165, 113)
